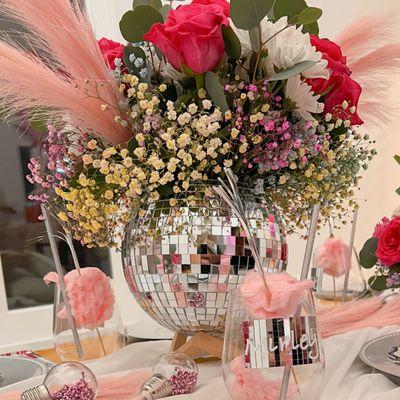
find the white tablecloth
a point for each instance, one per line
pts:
(347, 378)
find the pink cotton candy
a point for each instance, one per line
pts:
(286, 294)
(90, 294)
(334, 257)
(249, 384)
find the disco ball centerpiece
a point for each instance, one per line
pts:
(183, 257)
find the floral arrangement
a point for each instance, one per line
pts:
(247, 85)
(382, 252)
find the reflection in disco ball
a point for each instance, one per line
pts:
(186, 254)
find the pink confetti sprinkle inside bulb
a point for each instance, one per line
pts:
(77, 391)
(183, 382)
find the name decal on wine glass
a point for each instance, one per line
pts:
(281, 342)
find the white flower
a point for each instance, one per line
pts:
(207, 104)
(303, 97)
(286, 48)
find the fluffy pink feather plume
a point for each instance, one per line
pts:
(27, 83)
(63, 31)
(359, 314)
(372, 48)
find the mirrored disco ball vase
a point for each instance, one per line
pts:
(183, 257)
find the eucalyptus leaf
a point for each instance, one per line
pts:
(398, 191)
(311, 28)
(164, 10)
(292, 71)
(138, 52)
(378, 283)
(397, 158)
(136, 69)
(154, 3)
(368, 258)
(309, 15)
(135, 24)
(247, 14)
(216, 91)
(233, 46)
(288, 8)
(254, 34)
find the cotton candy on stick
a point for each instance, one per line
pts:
(333, 257)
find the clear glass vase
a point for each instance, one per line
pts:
(85, 344)
(272, 359)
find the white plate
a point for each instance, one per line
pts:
(149, 330)
(374, 354)
(15, 369)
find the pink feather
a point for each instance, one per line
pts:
(359, 314)
(372, 49)
(74, 78)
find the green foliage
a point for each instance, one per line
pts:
(254, 34)
(232, 43)
(164, 10)
(135, 24)
(154, 3)
(378, 282)
(311, 28)
(397, 158)
(138, 52)
(293, 9)
(309, 15)
(292, 71)
(247, 14)
(368, 258)
(216, 91)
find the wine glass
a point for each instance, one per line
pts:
(272, 359)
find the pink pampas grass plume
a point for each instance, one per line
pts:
(72, 65)
(372, 48)
(334, 257)
(367, 313)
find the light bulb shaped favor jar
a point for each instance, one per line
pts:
(174, 374)
(66, 381)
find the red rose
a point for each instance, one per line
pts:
(340, 86)
(192, 35)
(111, 50)
(223, 3)
(380, 227)
(388, 250)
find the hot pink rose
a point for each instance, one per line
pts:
(340, 86)
(380, 227)
(192, 35)
(388, 250)
(111, 50)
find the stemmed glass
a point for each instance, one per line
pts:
(272, 359)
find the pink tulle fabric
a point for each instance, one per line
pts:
(90, 294)
(286, 294)
(334, 257)
(249, 384)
